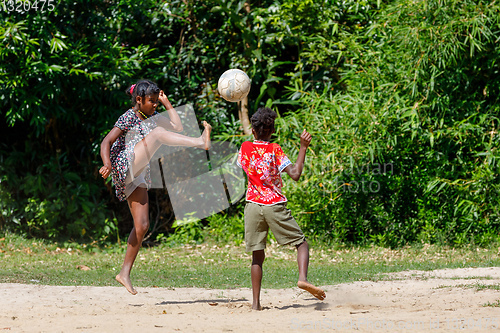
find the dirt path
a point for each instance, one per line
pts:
(436, 301)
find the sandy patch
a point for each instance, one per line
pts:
(412, 301)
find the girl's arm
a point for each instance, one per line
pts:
(174, 124)
(294, 171)
(106, 143)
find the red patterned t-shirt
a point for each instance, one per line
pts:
(263, 163)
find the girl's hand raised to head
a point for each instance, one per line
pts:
(163, 98)
(305, 139)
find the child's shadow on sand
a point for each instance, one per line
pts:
(318, 306)
(219, 300)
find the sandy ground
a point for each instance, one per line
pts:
(435, 301)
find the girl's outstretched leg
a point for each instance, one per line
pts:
(145, 149)
(138, 203)
(207, 143)
(303, 262)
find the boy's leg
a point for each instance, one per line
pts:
(303, 262)
(256, 274)
(287, 231)
(139, 207)
(145, 149)
(255, 238)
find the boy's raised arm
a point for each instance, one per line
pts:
(295, 170)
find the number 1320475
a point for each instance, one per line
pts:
(27, 5)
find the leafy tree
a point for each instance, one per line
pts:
(421, 94)
(63, 75)
(62, 72)
(399, 95)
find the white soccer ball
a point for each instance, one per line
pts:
(234, 85)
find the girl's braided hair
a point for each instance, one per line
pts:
(142, 89)
(263, 121)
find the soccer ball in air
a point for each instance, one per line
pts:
(234, 85)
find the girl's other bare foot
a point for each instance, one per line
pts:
(315, 291)
(206, 135)
(125, 281)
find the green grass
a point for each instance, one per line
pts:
(477, 286)
(472, 278)
(210, 265)
(495, 304)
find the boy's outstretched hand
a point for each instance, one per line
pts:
(295, 170)
(305, 139)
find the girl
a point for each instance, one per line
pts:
(126, 158)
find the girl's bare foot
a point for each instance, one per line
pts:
(315, 291)
(125, 281)
(206, 135)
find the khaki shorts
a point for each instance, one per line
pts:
(260, 218)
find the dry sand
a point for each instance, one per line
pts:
(434, 301)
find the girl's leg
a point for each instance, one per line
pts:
(303, 262)
(256, 275)
(138, 203)
(145, 149)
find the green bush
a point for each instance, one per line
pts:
(402, 99)
(419, 93)
(226, 227)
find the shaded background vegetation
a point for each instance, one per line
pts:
(401, 98)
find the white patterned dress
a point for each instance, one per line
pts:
(122, 150)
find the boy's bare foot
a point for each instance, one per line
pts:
(206, 135)
(256, 307)
(126, 283)
(315, 291)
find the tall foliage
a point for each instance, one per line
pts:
(62, 80)
(61, 73)
(401, 97)
(418, 122)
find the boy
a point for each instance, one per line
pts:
(263, 162)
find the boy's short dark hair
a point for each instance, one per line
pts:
(263, 121)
